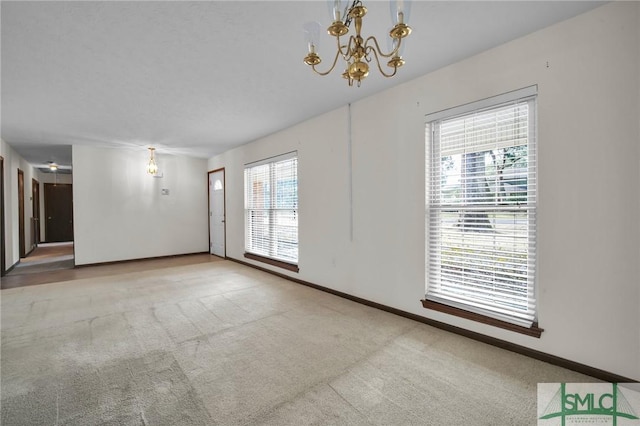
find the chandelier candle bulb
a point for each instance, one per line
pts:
(312, 36)
(337, 9)
(400, 11)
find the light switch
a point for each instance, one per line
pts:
(165, 191)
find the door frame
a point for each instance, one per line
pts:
(3, 255)
(35, 211)
(21, 232)
(47, 208)
(210, 213)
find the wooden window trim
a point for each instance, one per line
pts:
(279, 263)
(533, 331)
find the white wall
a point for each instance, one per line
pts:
(13, 162)
(120, 214)
(588, 76)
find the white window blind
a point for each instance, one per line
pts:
(271, 208)
(481, 211)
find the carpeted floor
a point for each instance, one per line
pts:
(221, 343)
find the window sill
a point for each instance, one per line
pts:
(533, 331)
(273, 262)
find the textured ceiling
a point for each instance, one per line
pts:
(198, 78)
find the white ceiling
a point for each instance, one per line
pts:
(198, 78)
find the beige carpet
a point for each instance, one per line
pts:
(220, 343)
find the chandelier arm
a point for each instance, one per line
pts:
(348, 54)
(377, 47)
(335, 61)
(395, 69)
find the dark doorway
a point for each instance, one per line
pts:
(35, 204)
(3, 266)
(58, 211)
(21, 213)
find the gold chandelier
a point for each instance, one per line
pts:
(358, 52)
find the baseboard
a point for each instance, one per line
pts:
(10, 268)
(115, 262)
(541, 356)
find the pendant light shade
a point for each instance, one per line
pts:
(152, 167)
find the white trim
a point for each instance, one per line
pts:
(274, 159)
(483, 103)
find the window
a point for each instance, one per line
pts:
(271, 210)
(481, 209)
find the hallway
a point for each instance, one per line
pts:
(46, 257)
(41, 274)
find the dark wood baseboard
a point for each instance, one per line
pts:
(116, 262)
(541, 356)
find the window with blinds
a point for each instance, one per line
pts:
(271, 208)
(481, 210)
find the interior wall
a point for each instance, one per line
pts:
(638, 163)
(120, 212)
(49, 178)
(12, 162)
(362, 203)
(7, 250)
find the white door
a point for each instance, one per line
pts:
(216, 214)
